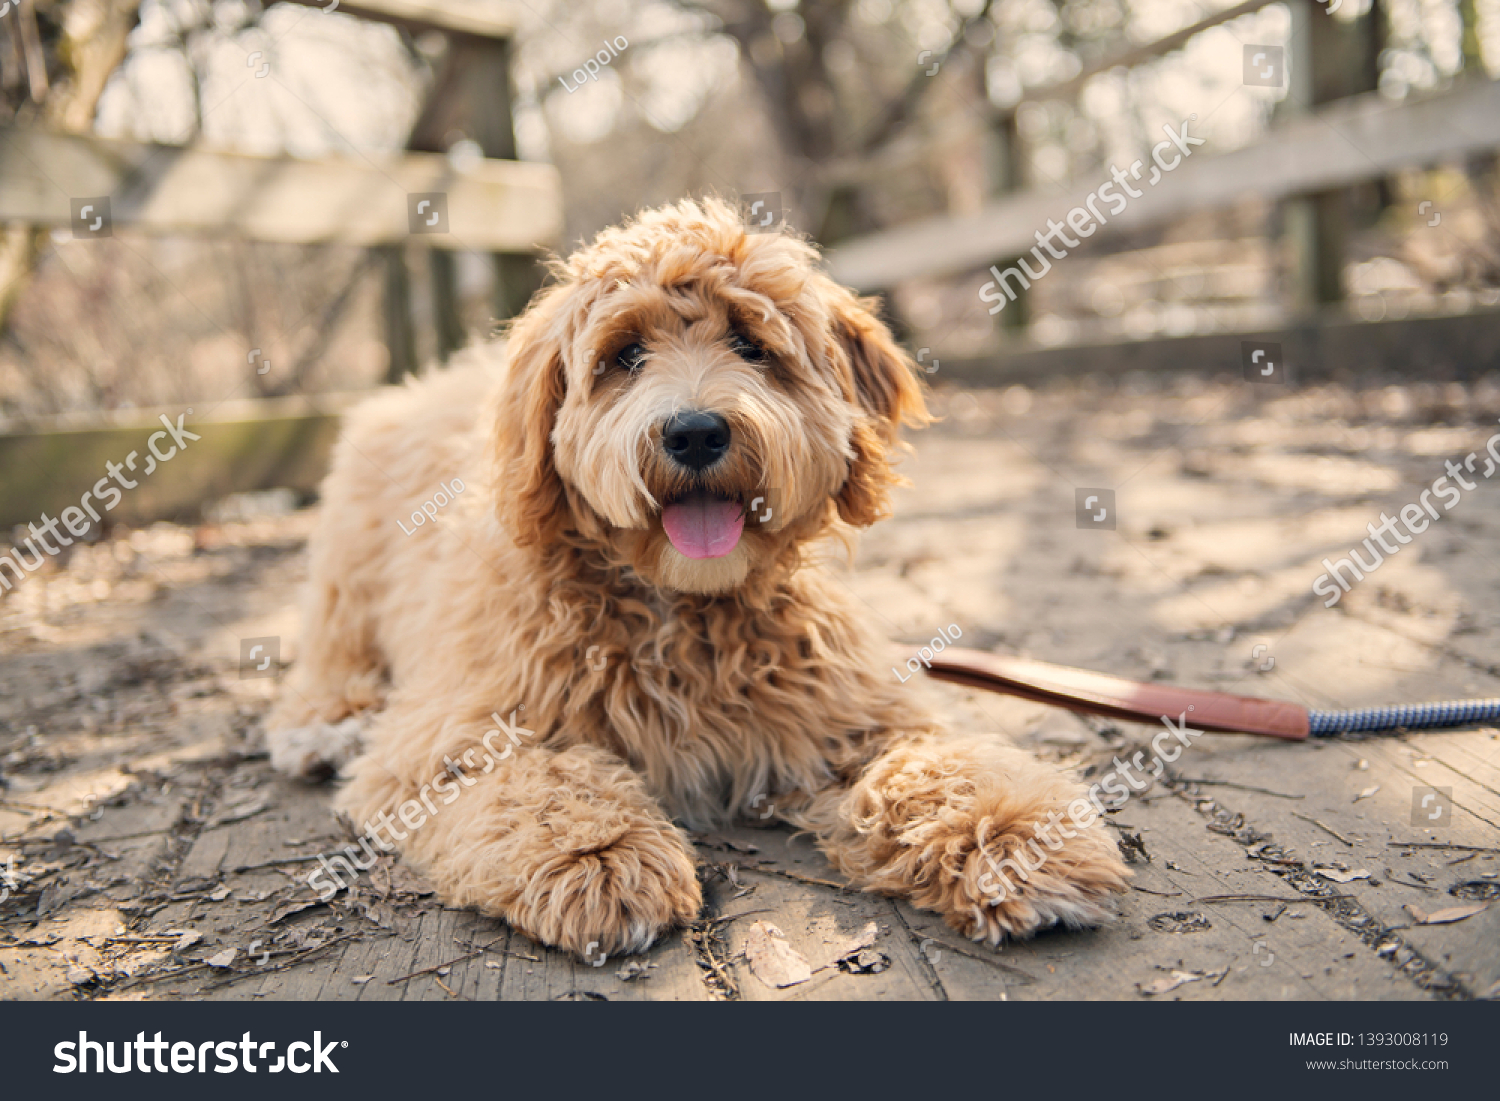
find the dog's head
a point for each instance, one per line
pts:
(696, 402)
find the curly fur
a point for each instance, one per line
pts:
(660, 689)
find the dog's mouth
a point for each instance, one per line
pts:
(703, 525)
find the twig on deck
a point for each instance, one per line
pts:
(990, 959)
(276, 863)
(293, 962)
(1240, 787)
(1325, 827)
(457, 959)
(1268, 898)
(731, 917)
(808, 879)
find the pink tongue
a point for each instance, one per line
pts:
(703, 526)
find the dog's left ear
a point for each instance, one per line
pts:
(883, 382)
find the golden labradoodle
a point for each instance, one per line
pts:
(566, 595)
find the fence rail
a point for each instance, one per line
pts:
(498, 206)
(1358, 138)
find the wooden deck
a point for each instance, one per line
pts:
(156, 855)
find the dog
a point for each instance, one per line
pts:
(621, 619)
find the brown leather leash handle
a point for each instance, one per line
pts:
(1118, 698)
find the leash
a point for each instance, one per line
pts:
(1118, 698)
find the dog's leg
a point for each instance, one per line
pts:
(316, 726)
(976, 831)
(566, 846)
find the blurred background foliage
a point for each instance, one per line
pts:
(863, 114)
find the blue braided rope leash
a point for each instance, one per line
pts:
(1326, 724)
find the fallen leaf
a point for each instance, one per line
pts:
(188, 938)
(1167, 984)
(1339, 875)
(493, 965)
(1448, 916)
(772, 960)
(222, 959)
(1367, 793)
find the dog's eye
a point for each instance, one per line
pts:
(631, 357)
(746, 349)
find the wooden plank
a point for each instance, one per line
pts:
(816, 920)
(509, 206)
(479, 18)
(246, 445)
(1364, 834)
(1360, 138)
(1461, 346)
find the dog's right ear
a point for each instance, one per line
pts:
(529, 496)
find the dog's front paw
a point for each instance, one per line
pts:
(983, 837)
(606, 890)
(1025, 876)
(315, 751)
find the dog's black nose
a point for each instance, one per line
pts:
(696, 439)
